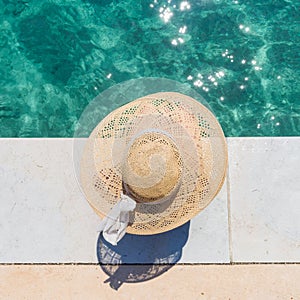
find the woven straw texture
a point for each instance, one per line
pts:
(190, 127)
(152, 168)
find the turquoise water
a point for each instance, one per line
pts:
(241, 56)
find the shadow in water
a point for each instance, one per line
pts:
(139, 258)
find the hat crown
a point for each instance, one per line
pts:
(152, 168)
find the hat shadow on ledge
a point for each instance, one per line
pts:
(138, 258)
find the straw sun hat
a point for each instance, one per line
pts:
(154, 163)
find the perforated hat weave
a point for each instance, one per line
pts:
(166, 150)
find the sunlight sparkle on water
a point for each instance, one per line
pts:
(198, 83)
(174, 42)
(185, 5)
(220, 74)
(182, 29)
(225, 53)
(165, 14)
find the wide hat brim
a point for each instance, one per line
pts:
(197, 134)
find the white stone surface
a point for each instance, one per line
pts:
(44, 218)
(208, 237)
(264, 175)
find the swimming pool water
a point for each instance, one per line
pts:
(241, 56)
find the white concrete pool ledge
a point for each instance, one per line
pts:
(44, 218)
